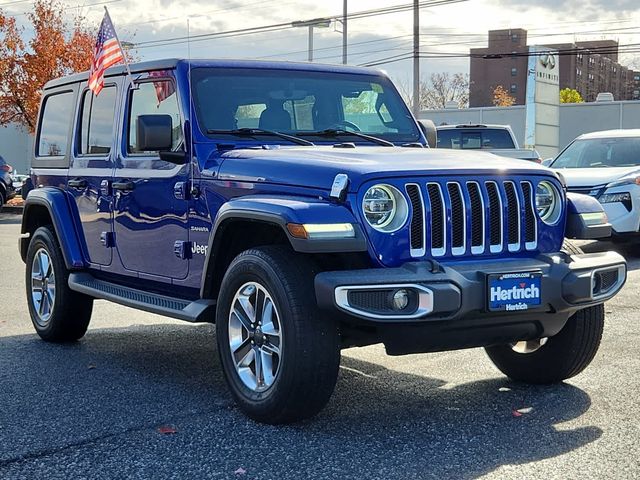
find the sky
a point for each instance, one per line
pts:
(452, 28)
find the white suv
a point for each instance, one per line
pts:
(606, 165)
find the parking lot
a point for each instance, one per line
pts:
(93, 409)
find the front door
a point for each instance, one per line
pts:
(92, 163)
(150, 205)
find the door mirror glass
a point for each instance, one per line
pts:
(154, 132)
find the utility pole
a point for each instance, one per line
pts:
(416, 57)
(344, 32)
(310, 56)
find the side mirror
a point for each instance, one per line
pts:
(428, 128)
(154, 133)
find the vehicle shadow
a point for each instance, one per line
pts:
(379, 423)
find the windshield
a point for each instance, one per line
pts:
(600, 152)
(474, 139)
(300, 103)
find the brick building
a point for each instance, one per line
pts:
(586, 71)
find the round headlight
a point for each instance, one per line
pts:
(548, 202)
(385, 208)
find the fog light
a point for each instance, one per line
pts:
(400, 299)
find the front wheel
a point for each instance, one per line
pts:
(279, 356)
(556, 358)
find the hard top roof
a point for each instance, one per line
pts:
(171, 63)
(620, 133)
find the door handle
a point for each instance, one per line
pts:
(77, 183)
(125, 186)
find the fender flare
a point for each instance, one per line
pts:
(578, 226)
(57, 204)
(279, 211)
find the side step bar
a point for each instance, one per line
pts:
(196, 311)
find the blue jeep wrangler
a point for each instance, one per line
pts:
(299, 207)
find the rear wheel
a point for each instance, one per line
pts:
(58, 313)
(279, 357)
(3, 199)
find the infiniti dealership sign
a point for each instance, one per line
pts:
(543, 102)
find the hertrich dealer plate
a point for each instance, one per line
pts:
(514, 291)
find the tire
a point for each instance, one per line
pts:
(297, 382)
(3, 200)
(569, 247)
(62, 315)
(563, 356)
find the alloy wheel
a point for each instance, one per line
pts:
(255, 337)
(43, 287)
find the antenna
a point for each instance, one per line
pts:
(194, 190)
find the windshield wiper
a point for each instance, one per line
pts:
(336, 132)
(249, 132)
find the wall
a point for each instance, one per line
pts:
(15, 147)
(575, 119)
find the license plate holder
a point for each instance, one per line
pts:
(514, 291)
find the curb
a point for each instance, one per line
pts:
(12, 209)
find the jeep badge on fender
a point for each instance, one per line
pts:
(290, 204)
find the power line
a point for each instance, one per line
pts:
(283, 25)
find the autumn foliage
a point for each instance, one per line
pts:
(55, 49)
(502, 98)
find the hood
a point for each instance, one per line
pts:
(594, 177)
(317, 166)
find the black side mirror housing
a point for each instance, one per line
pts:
(430, 132)
(154, 133)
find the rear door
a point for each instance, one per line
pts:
(150, 195)
(92, 164)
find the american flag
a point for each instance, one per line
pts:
(106, 53)
(164, 88)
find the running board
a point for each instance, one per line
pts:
(196, 311)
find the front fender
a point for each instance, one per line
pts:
(586, 218)
(283, 210)
(56, 202)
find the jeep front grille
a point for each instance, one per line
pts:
(473, 217)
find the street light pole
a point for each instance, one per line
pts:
(317, 22)
(344, 32)
(416, 57)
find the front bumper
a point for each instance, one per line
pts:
(457, 303)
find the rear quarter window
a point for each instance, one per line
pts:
(57, 115)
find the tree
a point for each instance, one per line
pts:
(439, 89)
(570, 95)
(55, 49)
(443, 88)
(502, 98)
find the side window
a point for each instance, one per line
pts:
(96, 122)
(154, 98)
(57, 115)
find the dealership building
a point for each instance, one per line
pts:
(589, 67)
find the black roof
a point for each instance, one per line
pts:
(171, 63)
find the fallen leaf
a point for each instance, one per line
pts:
(240, 471)
(516, 413)
(167, 430)
(504, 389)
(525, 410)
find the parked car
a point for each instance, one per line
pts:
(606, 165)
(298, 207)
(497, 139)
(18, 182)
(7, 191)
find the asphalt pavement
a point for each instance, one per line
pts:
(97, 408)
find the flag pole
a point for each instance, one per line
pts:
(124, 55)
